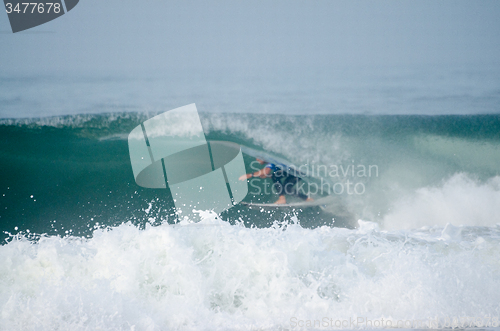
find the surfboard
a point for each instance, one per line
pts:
(301, 204)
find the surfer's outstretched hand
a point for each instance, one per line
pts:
(262, 173)
(245, 177)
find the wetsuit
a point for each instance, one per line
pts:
(284, 183)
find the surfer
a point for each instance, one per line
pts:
(284, 183)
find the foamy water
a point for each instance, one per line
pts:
(460, 200)
(212, 275)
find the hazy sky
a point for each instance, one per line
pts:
(129, 35)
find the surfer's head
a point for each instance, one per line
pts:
(260, 161)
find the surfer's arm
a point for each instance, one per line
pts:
(264, 172)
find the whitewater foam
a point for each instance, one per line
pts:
(460, 200)
(213, 275)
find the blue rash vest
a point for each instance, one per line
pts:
(278, 170)
(272, 166)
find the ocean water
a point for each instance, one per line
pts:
(411, 240)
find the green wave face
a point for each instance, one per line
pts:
(68, 173)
